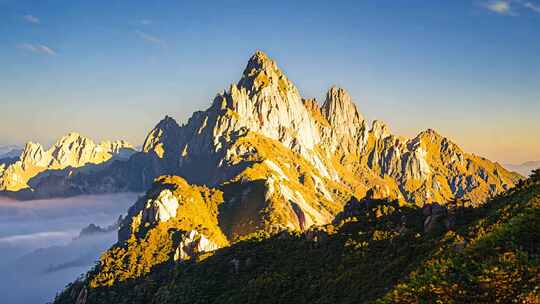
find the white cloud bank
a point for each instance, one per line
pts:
(38, 253)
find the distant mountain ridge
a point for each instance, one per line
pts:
(71, 151)
(524, 168)
(10, 151)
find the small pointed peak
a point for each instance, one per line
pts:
(339, 108)
(334, 89)
(259, 61)
(380, 129)
(32, 146)
(378, 124)
(262, 72)
(70, 138)
(165, 132)
(32, 153)
(259, 56)
(311, 104)
(167, 122)
(429, 133)
(337, 94)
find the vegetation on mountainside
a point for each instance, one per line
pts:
(493, 259)
(151, 246)
(375, 252)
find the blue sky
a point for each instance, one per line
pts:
(113, 69)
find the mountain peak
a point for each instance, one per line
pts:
(262, 72)
(72, 137)
(165, 133)
(339, 107)
(259, 57)
(429, 136)
(167, 122)
(380, 129)
(32, 153)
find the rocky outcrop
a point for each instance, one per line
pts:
(149, 213)
(93, 229)
(172, 202)
(191, 244)
(436, 216)
(347, 132)
(431, 168)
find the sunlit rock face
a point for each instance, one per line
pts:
(347, 131)
(192, 244)
(72, 150)
(149, 212)
(264, 101)
(161, 209)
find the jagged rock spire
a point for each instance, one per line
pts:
(262, 72)
(164, 136)
(340, 110)
(33, 154)
(347, 125)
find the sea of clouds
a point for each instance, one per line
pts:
(40, 251)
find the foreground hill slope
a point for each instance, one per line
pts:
(375, 251)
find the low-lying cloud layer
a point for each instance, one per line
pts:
(39, 254)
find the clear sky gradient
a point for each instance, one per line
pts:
(113, 69)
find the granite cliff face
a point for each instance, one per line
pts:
(71, 151)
